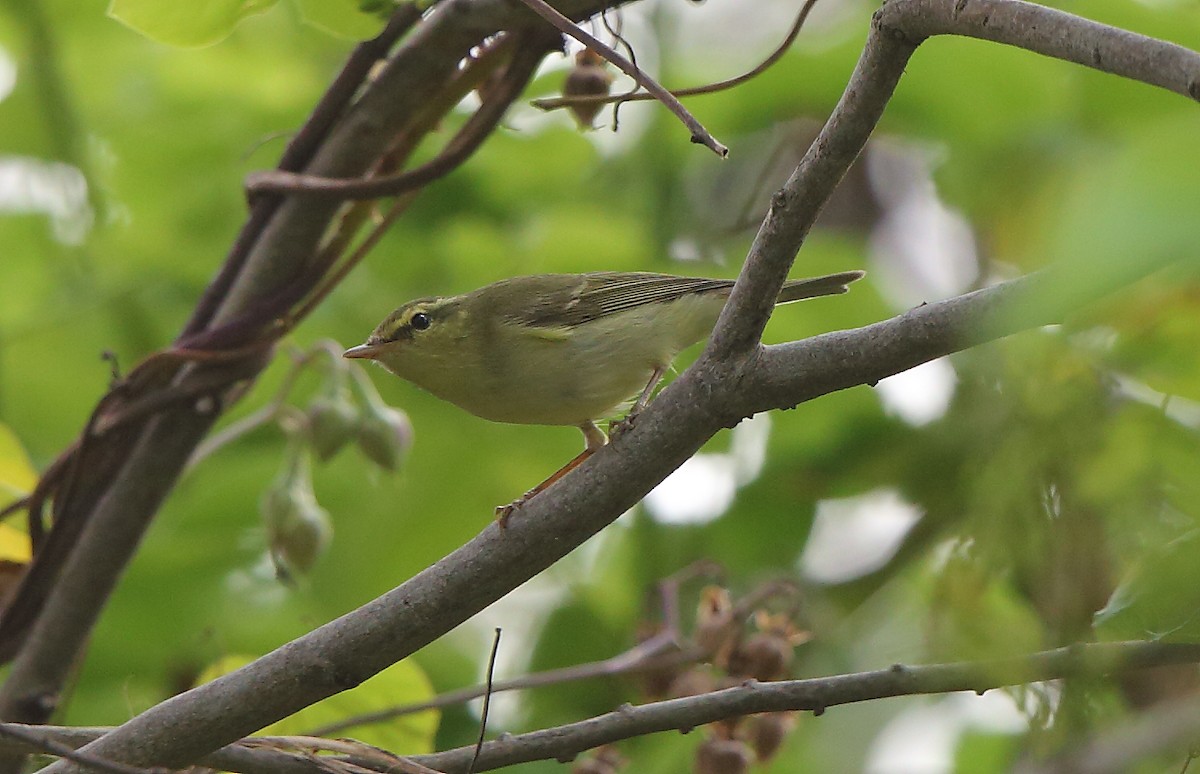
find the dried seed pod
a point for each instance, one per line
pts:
(604, 760)
(766, 732)
(763, 656)
(693, 682)
(715, 628)
(657, 681)
(723, 756)
(588, 78)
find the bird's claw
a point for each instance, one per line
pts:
(619, 427)
(505, 512)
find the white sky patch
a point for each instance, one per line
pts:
(923, 738)
(704, 487)
(520, 616)
(921, 250)
(856, 535)
(8, 74)
(919, 395)
(29, 185)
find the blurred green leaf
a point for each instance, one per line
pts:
(344, 18)
(400, 684)
(193, 24)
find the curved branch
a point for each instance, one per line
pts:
(896, 30)
(1052, 33)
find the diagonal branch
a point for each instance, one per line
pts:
(347, 651)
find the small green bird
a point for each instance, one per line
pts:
(558, 349)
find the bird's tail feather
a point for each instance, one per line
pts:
(829, 285)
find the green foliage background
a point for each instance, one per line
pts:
(1043, 488)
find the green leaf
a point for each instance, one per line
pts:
(341, 18)
(185, 24)
(1160, 599)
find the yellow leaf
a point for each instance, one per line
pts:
(14, 545)
(17, 476)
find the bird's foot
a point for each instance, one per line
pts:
(505, 512)
(619, 427)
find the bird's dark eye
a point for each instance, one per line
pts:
(420, 321)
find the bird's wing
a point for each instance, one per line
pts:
(600, 294)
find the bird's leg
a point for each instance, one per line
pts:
(594, 438)
(616, 428)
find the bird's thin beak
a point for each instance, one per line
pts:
(363, 351)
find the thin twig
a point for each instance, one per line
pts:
(619, 38)
(555, 103)
(487, 701)
(70, 753)
(647, 655)
(377, 757)
(460, 148)
(700, 135)
(299, 152)
(816, 695)
(268, 413)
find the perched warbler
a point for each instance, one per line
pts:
(558, 349)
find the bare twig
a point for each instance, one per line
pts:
(460, 148)
(815, 695)
(300, 151)
(54, 747)
(1170, 726)
(700, 135)
(263, 416)
(648, 655)
(379, 760)
(897, 28)
(487, 701)
(555, 103)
